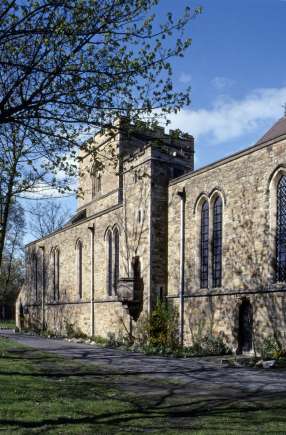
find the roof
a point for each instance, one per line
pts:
(278, 129)
(275, 134)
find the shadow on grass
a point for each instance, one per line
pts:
(187, 415)
(101, 400)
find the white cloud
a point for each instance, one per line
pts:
(185, 78)
(222, 83)
(230, 119)
(43, 191)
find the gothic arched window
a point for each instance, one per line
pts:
(79, 267)
(109, 273)
(95, 183)
(204, 245)
(217, 243)
(56, 273)
(281, 231)
(116, 259)
(35, 272)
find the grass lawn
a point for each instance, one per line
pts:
(7, 324)
(42, 393)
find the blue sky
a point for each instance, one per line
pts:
(236, 67)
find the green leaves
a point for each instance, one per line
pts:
(71, 68)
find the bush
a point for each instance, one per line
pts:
(100, 340)
(163, 330)
(207, 345)
(73, 331)
(159, 332)
(270, 349)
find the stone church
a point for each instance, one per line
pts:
(210, 241)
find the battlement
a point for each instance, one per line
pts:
(174, 145)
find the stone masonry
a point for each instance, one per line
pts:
(138, 197)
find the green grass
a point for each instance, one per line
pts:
(7, 324)
(42, 393)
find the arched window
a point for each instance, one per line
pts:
(281, 231)
(35, 271)
(56, 273)
(204, 245)
(116, 259)
(217, 243)
(109, 282)
(79, 267)
(95, 184)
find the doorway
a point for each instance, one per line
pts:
(245, 327)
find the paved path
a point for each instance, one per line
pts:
(203, 375)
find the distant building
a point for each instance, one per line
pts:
(150, 226)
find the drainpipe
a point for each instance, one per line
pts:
(43, 288)
(182, 196)
(91, 229)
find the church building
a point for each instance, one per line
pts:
(210, 241)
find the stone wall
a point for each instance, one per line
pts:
(139, 199)
(246, 183)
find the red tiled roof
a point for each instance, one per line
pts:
(278, 129)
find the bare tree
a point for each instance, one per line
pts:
(46, 217)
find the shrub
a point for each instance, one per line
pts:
(270, 349)
(73, 331)
(100, 340)
(164, 326)
(112, 340)
(159, 332)
(207, 345)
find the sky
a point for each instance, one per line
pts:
(236, 68)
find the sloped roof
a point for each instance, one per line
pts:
(278, 129)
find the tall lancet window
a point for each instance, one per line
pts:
(95, 183)
(204, 272)
(79, 267)
(56, 277)
(281, 231)
(109, 274)
(35, 272)
(217, 242)
(116, 259)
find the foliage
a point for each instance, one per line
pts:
(12, 268)
(163, 326)
(73, 331)
(158, 334)
(8, 324)
(270, 349)
(68, 70)
(208, 345)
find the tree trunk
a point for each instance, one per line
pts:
(7, 204)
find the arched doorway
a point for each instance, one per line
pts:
(245, 327)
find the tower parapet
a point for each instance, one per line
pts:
(175, 148)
